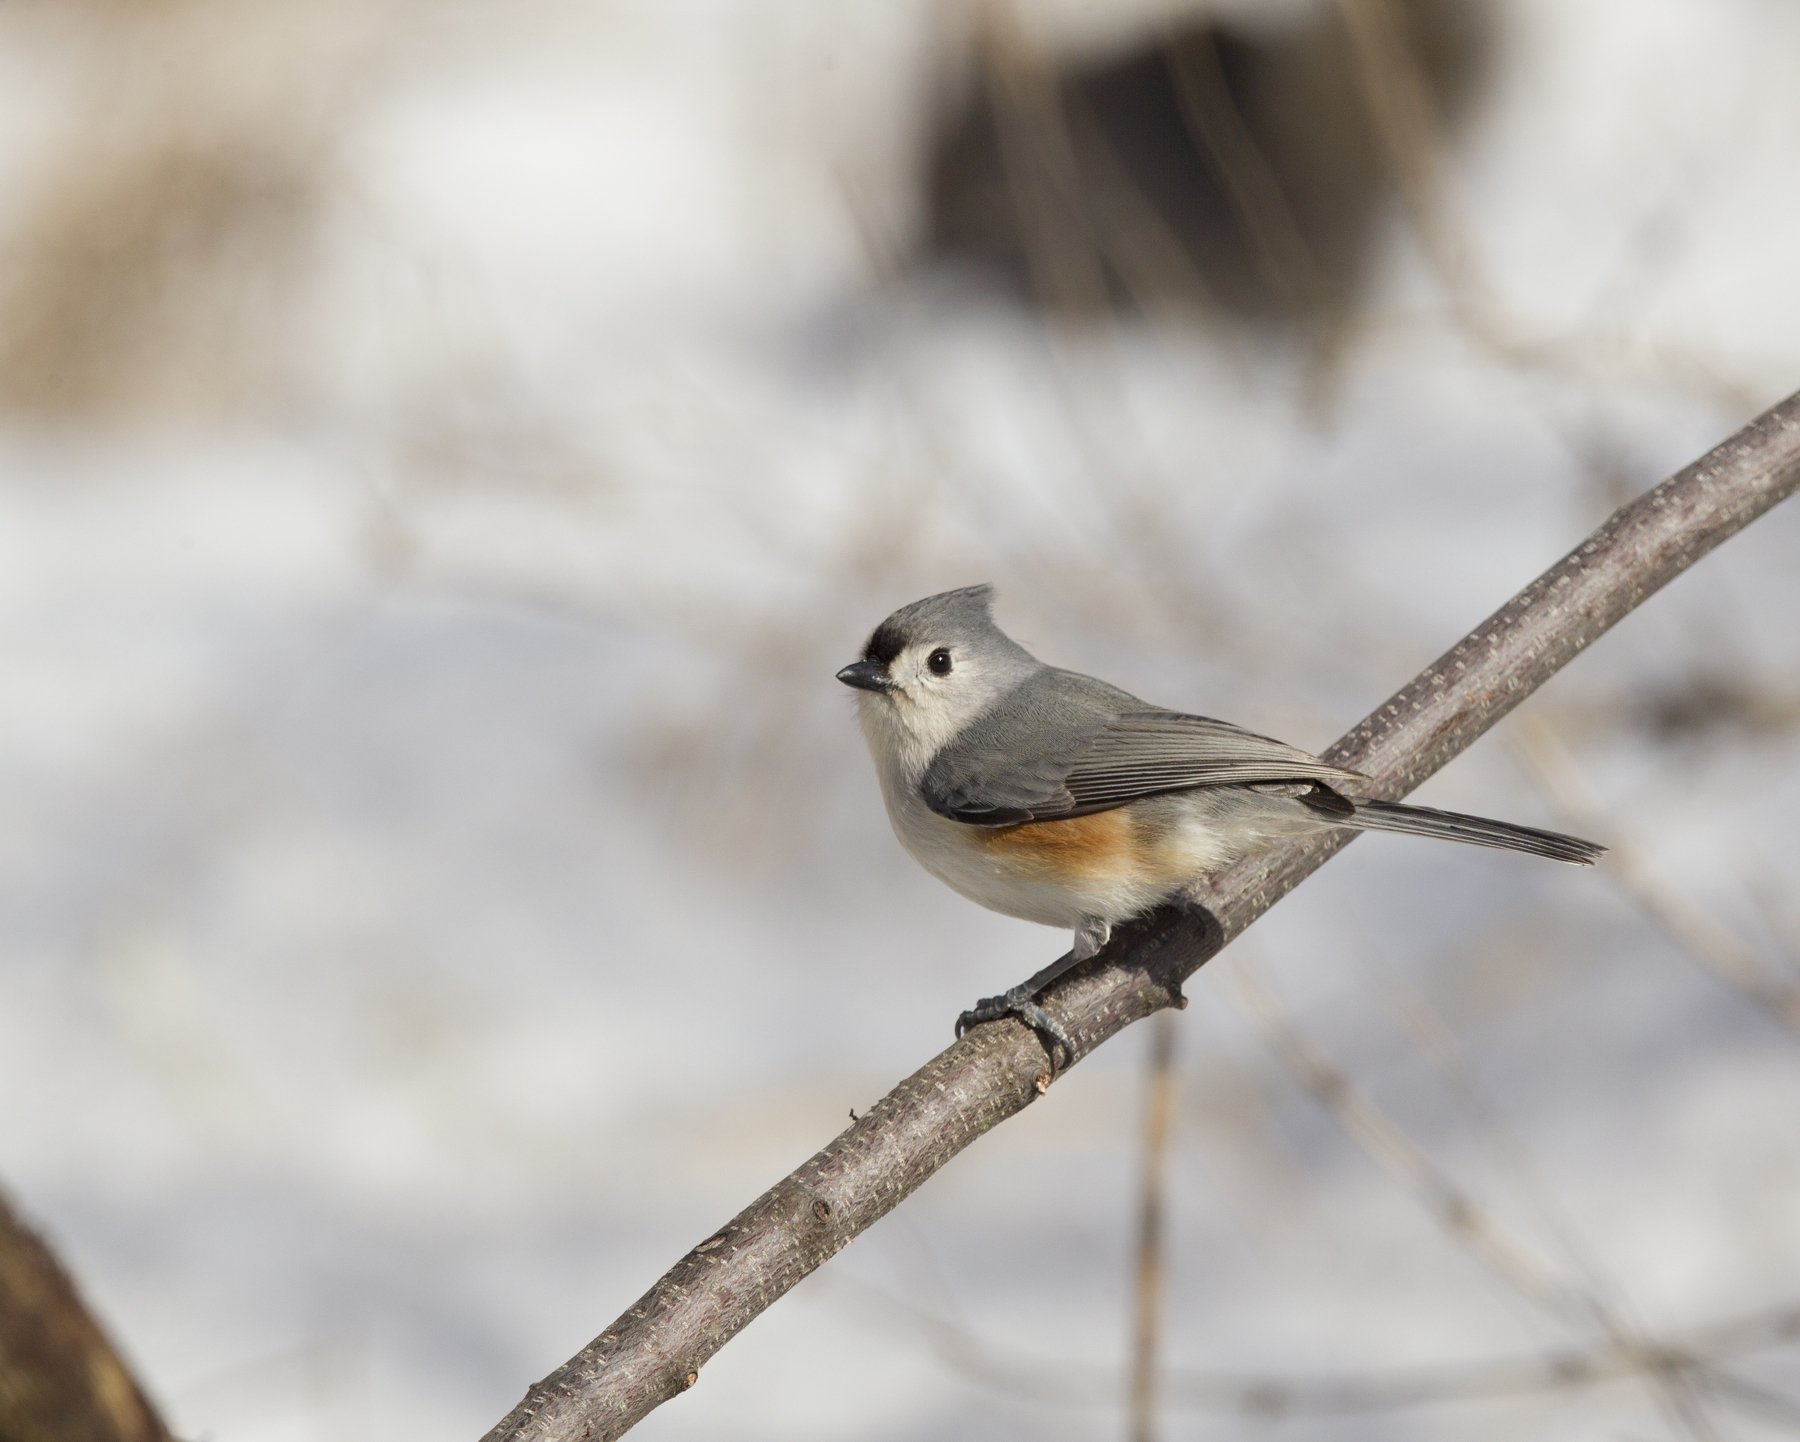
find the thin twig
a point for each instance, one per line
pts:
(1443, 1049)
(1694, 929)
(1607, 1300)
(1754, 1397)
(1463, 1218)
(1068, 1382)
(1159, 1125)
(655, 1350)
(1402, 1160)
(1398, 100)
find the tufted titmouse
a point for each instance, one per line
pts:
(1055, 797)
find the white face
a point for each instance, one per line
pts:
(935, 690)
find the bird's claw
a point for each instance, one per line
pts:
(1026, 1008)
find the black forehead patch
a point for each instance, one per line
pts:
(887, 642)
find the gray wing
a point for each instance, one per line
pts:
(1068, 745)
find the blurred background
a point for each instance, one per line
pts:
(445, 453)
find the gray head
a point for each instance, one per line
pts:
(934, 666)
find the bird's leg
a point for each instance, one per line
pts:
(1022, 1000)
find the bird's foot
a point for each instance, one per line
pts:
(1022, 1002)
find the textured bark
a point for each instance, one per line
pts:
(60, 1380)
(657, 1347)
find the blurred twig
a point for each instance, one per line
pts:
(1754, 1397)
(1462, 1216)
(1438, 1041)
(1406, 1163)
(1400, 108)
(1160, 1092)
(1068, 1382)
(1694, 929)
(1283, 258)
(656, 1348)
(1674, 1389)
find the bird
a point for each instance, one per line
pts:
(1058, 798)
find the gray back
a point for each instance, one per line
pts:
(1061, 744)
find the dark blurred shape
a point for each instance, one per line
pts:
(1214, 163)
(1699, 706)
(60, 1380)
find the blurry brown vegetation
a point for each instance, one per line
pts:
(1224, 163)
(157, 259)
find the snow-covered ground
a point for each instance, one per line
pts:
(437, 867)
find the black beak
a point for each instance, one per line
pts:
(866, 676)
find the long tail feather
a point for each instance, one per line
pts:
(1476, 830)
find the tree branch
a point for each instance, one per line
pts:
(656, 1349)
(60, 1378)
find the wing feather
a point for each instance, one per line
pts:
(1074, 746)
(1149, 752)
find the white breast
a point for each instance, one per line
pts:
(1185, 847)
(952, 852)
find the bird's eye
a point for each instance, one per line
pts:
(939, 661)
